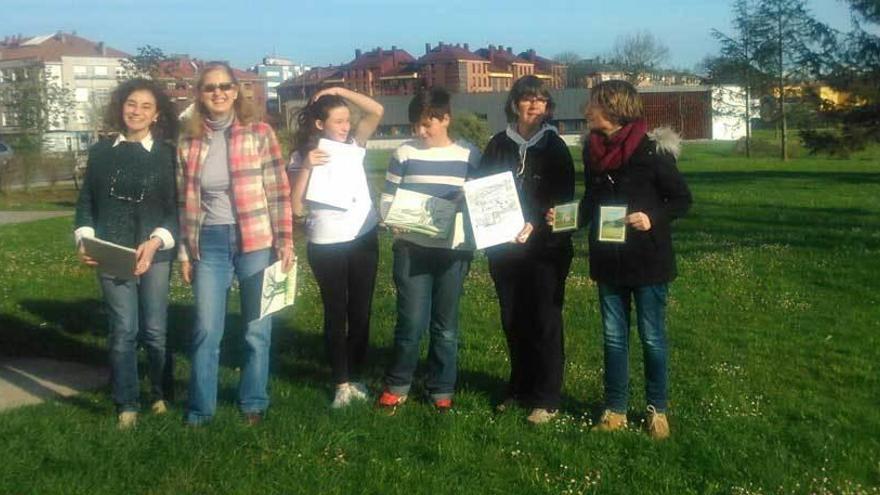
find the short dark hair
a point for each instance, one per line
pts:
(526, 87)
(166, 124)
(430, 103)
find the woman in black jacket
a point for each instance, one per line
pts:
(633, 172)
(530, 271)
(128, 198)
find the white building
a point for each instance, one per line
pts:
(90, 70)
(276, 71)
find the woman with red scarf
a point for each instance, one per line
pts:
(633, 193)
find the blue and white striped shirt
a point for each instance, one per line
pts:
(439, 172)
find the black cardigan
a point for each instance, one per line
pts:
(128, 192)
(648, 182)
(546, 181)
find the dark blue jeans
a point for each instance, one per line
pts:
(650, 301)
(133, 308)
(429, 284)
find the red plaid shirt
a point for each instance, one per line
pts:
(260, 190)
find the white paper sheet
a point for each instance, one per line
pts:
(279, 289)
(341, 180)
(493, 206)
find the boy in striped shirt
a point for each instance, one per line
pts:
(428, 272)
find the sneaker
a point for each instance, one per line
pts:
(611, 421)
(390, 402)
(359, 391)
(506, 404)
(343, 396)
(443, 405)
(540, 415)
(658, 425)
(126, 420)
(253, 418)
(159, 407)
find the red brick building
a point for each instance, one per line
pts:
(554, 73)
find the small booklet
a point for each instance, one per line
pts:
(279, 289)
(566, 218)
(421, 213)
(612, 224)
(113, 259)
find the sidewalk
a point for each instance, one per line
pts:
(7, 217)
(26, 381)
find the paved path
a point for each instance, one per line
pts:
(26, 381)
(29, 216)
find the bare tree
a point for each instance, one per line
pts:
(145, 64)
(638, 54)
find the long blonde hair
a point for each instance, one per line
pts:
(245, 110)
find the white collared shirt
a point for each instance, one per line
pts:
(146, 142)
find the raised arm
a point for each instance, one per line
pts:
(372, 111)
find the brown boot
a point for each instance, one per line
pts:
(611, 421)
(658, 425)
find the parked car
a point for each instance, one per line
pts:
(5, 153)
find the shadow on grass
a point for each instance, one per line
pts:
(695, 179)
(76, 331)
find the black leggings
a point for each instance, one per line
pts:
(346, 274)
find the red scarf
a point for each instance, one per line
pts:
(610, 152)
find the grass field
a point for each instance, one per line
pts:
(775, 385)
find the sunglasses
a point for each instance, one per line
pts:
(209, 88)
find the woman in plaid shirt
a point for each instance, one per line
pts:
(235, 220)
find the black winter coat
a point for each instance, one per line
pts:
(546, 180)
(648, 182)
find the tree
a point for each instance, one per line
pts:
(38, 102)
(793, 48)
(147, 63)
(855, 121)
(638, 54)
(737, 63)
(471, 128)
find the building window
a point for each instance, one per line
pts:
(120, 72)
(81, 94)
(100, 70)
(80, 71)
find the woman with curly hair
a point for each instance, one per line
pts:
(128, 199)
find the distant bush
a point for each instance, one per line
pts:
(471, 128)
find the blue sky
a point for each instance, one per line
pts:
(328, 31)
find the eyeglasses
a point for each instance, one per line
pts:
(534, 99)
(209, 88)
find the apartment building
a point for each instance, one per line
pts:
(89, 69)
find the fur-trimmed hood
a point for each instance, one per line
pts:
(667, 141)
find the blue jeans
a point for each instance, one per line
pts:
(429, 284)
(650, 301)
(131, 306)
(219, 259)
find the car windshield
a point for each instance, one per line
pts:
(2, 147)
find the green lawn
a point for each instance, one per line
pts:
(775, 386)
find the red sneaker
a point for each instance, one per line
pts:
(390, 401)
(443, 405)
